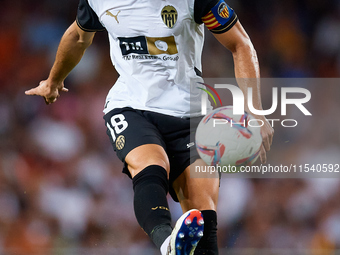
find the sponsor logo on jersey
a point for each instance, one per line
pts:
(148, 45)
(136, 45)
(114, 16)
(169, 16)
(162, 45)
(219, 15)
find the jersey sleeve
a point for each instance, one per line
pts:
(87, 19)
(217, 16)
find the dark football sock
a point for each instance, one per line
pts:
(208, 243)
(150, 203)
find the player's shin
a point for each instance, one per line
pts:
(150, 203)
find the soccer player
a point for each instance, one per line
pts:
(156, 48)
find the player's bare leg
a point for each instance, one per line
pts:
(200, 193)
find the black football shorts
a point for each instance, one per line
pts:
(129, 128)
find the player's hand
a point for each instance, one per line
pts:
(48, 90)
(267, 133)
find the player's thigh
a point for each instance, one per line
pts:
(197, 190)
(146, 155)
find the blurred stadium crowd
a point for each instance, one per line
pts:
(61, 187)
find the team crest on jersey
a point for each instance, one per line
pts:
(223, 10)
(169, 16)
(120, 142)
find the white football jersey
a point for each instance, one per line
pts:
(156, 48)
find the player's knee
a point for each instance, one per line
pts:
(141, 165)
(145, 156)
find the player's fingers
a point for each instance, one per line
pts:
(64, 89)
(266, 143)
(50, 101)
(263, 155)
(32, 92)
(270, 136)
(46, 101)
(271, 140)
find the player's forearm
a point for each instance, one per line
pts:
(247, 72)
(70, 51)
